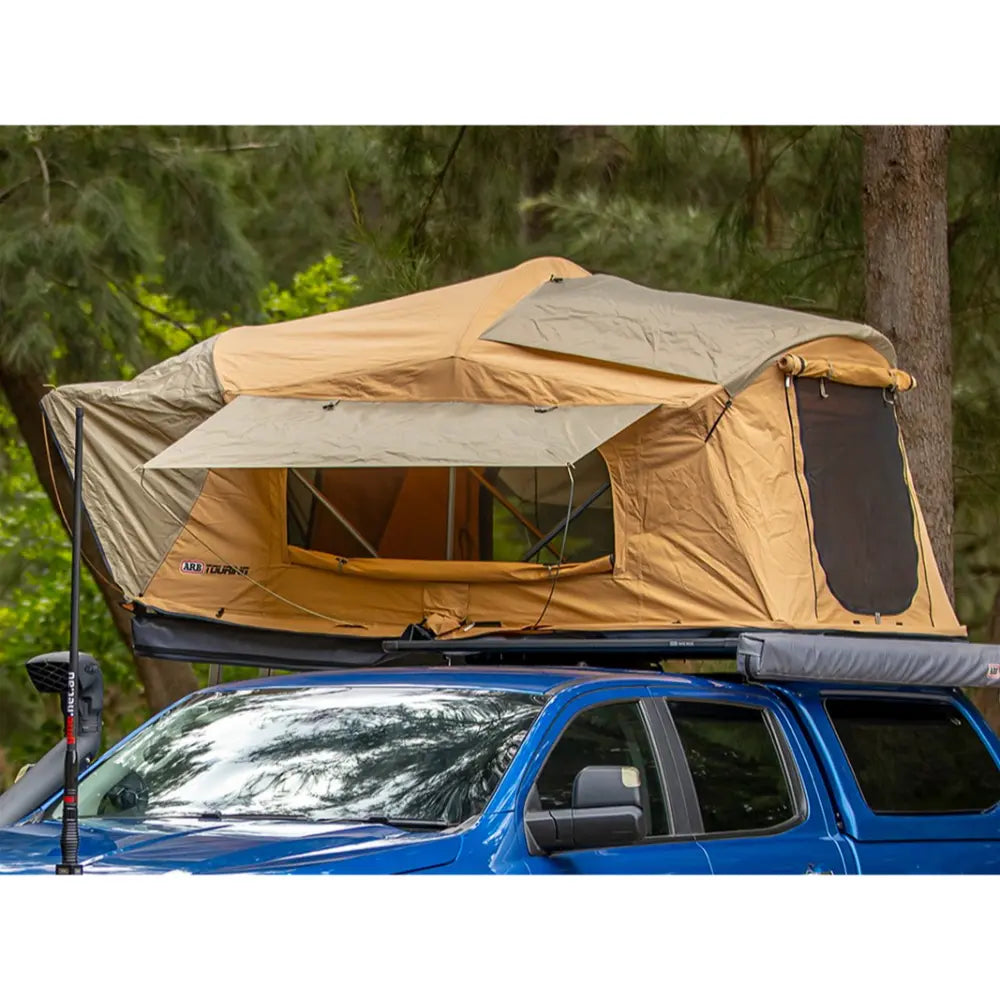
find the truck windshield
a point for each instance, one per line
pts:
(406, 755)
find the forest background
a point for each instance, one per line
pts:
(122, 245)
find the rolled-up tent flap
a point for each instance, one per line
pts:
(800, 366)
(802, 656)
(259, 432)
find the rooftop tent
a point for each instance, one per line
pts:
(534, 449)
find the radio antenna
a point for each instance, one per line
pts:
(69, 840)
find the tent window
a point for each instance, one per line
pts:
(500, 514)
(863, 525)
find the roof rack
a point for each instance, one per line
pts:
(593, 650)
(759, 655)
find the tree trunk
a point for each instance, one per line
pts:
(905, 218)
(162, 680)
(987, 700)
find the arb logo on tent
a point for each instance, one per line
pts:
(993, 671)
(192, 566)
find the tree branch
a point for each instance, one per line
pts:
(418, 229)
(5, 194)
(46, 185)
(139, 304)
(242, 148)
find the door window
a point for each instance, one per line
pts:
(612, 734)
(739, 776)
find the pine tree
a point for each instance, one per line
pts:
(84, 212)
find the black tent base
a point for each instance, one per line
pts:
(171, 637)
(840, 657)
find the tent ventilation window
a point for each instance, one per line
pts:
(863, 524)
(498, 514)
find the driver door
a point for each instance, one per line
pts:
(619, 731)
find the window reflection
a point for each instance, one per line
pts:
(434, 755)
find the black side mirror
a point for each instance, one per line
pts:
(606, 811)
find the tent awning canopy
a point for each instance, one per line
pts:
(713, 340)
(258, 432)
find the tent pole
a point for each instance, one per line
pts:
(596, 495)
(355, 534)
(450, 545)
(494, 492)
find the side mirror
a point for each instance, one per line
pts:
(606, 811)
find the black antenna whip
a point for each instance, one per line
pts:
(69, 840)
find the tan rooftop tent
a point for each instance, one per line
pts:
(535, 449)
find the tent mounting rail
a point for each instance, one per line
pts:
(707, 648)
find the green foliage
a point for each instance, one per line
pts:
(85, 210)
(119, 246)
(35, 554)
(35, 559)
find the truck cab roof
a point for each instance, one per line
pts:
(549, 679)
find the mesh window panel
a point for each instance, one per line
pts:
(863, 526)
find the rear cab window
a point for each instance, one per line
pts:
(902, 766)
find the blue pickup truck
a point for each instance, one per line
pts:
(538, 770)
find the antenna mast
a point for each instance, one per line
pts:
(70, 838)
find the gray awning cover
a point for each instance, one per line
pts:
(847, 659)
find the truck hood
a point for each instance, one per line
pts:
(231, 847)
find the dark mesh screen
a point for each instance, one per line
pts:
(862, 517)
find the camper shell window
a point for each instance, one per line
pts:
(499, 514)
(863, 525)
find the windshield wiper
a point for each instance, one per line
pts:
(214, 815)
(403, 822)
